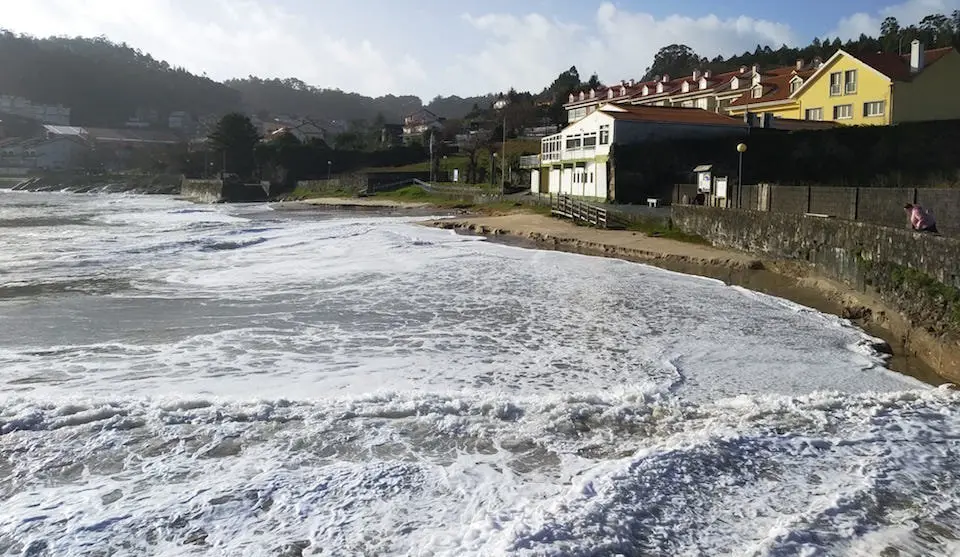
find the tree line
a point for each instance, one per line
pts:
(934, 31)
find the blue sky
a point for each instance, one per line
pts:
(430, 47)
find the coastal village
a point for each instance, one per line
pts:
(707, 305)
(822, 147)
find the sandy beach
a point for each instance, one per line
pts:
(913, 350)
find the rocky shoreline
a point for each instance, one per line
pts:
(912, 350)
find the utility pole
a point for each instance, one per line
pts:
(432, 178)
(503, 159)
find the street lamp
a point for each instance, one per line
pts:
(329, 165)
(741, 149)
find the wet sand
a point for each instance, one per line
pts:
(911, 353)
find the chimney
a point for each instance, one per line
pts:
(916, 56)
(696, 75)
(817, 62)
(799, 64)
(743, 69)
(666, 78)
(632, 82)
(756, 68)
(707, 73)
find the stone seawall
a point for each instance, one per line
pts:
(202, 191)
(215, 191)
(916, 274)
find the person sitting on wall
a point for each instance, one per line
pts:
(921, 219)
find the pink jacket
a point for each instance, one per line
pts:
(920, 218)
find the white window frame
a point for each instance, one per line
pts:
(703, 103)
(850, 85)
(604, 137)
(837, 110)
(757, 91)
(814, 111)
(867, 113)
(836, 89)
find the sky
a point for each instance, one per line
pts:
(446, 47)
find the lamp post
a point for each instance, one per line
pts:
(329, 165)
(741, 149)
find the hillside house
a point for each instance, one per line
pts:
(418, 123)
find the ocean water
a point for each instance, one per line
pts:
(235, 380)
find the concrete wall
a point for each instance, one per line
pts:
(918, 274)
(215, 191)
(202, 191)
(883, 206)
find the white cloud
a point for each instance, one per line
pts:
(907, 13)
(488, 53)
(528, 51)
(226, 38)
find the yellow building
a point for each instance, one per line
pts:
(867, 89)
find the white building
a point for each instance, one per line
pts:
(45, 114)
(416, 124)
(57, 153)
(576, 161)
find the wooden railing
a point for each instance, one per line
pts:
(564, 206)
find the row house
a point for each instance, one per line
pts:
(864, 89)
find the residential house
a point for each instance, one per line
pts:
(576, 160)
(582, 104)
(701, 89)
(865, 89)
(182, 122)
(418, 123)
(46, 114)
(58, 153)
(303, 129)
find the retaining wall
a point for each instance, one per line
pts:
(917, 274)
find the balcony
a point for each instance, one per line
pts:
(530, 161)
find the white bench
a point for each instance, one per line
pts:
(653, 202)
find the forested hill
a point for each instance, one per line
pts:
(106, 83)
(293, 96)
(102, 82)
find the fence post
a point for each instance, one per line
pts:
(809, 193)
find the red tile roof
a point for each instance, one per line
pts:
(897, 67)
(669, 114)
(776, 86)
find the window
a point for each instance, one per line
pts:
(850, 82)
(758, 91)
(687, 104)
(843, 112)
(605, 134)
(814, 114)
(591, 177)
(573, 142)
(659, 87)
(590, 140)
(703, 83)
(835, 83)
(685, 87)
(794, 85)
(873, 108)
(703, 103)
(735, 83)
